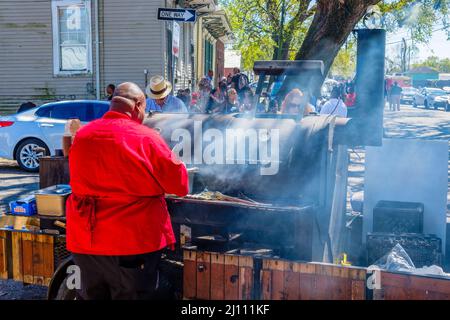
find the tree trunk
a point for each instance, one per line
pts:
(282, 54)
(333, 21)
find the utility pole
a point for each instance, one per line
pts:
(403, 55)
(283, 18)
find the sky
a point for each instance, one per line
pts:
(438, 45)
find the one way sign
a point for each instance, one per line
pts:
(184, 15)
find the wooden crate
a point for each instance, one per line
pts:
(397, 286)
(3, 255)
(287, 280)
(217, 276)
(52, 171)
(35, 257)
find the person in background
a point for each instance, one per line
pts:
(218, 98)
(179, 93)
(26, 106)
(350, 97)
(296, 102)
(210, 76)
(273, 106)
(193, 106)
(160, 99)
(395, 94)
(335, 106)
(110, 91)
(204, 90)
(246, 104)
(187, 97)
(262, 105)
(117, 219)
(232, 104)
(239, 82)
(229, 78)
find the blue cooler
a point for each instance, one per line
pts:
(24, 206)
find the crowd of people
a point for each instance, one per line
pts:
(233, 94)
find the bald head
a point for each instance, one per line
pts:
(128, 98)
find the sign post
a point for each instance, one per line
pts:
(176, 39)
(183, 15)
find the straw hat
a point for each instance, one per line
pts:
(158, 88)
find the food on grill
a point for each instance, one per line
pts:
(216, 195)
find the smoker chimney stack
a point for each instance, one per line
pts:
(369, 87)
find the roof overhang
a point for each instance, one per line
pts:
(201, 6)
(218, 25)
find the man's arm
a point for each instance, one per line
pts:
(167, 169)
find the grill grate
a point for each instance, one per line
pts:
(60, 250)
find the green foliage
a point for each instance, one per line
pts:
(267, 29)
(345, 62)
(419, 17)
(262, 32)
(441, 65)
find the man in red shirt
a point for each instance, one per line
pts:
(117, 218)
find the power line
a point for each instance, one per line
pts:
(433, 31)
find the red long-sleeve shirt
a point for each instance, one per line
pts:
(119, 173)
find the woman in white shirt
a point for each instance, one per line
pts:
(335, 106)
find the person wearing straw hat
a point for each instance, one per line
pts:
(160, 99)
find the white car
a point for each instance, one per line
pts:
(43, 126)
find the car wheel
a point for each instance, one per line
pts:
(27, 157)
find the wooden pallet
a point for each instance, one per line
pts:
(52, 171)
(287, 280)
(217, 276)
(396, 286)
(32, 258)
(3, 255)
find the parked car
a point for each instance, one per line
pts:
(426, 97)
(442, 102)
(408, 94)
(42, 127)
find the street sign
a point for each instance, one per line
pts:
(184, 15)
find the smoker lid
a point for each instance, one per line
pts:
(296, 170)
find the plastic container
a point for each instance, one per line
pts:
(51, 201)
(398, 217)
(24, 207)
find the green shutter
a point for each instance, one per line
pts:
(208, 56)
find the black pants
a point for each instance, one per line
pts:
(118, 277)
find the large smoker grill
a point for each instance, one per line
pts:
(289, 219)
